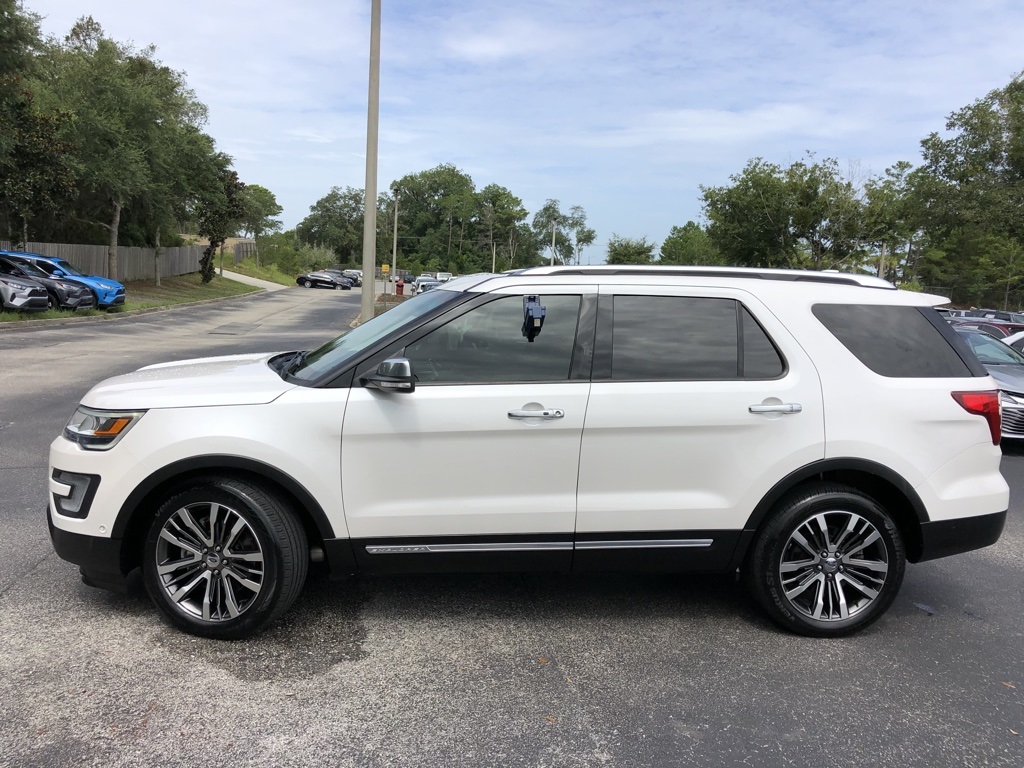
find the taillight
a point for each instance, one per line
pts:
(983, 404)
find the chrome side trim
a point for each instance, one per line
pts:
(534, 546)
(645, 544)
(512, 546)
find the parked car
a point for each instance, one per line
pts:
(1006, 366)
(324, 279)
(996, 314)
(345, 274)
(443, 277)
(106, 292)
(60, 294)
(20, 294)
(997, 328)
(660, 419)
(425, 284)
(1015, 340)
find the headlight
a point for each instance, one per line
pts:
(99, 430)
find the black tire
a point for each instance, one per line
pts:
(339, 287)
(230, 579)
(835, 590)
(52, 302)
(307, 283)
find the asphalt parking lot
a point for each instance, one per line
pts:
(468, 670)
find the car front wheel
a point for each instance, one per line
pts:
(224, 558)
(828, 563)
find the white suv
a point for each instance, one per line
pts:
(813, 431)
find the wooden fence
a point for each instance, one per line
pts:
(132, 263)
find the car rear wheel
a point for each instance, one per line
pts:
(828, 563)
(224, 558)
(307, 283)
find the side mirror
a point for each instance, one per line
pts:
(394, 375)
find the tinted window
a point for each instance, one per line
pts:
(761, 360)
(898, 342)
(487, 344)
(677, 338)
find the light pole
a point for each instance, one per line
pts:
(370, 200)
(394, 247)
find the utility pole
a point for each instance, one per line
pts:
(394, 249)
(552, 243)
(370, 200)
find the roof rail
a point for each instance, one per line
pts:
(791, 275)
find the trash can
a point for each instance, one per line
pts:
(398, 288)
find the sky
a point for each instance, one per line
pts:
(623, 108)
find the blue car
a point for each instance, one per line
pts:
(109, 293)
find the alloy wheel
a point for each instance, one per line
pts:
(833, 566)
(209, 561)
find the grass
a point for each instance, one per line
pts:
(144, 294)
(268, 272)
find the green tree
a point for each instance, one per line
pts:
(219, 213)
(335, 221)
(805, 215)
(625, 250)
(259, 208)
(972, 193)
(131, 116)
(690, 245)
(565, 233)
(749, 220)
(500, 213)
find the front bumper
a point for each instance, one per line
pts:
(98, 559)
(28, 301)
(941, 538)
(114, 298)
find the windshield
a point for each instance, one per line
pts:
(349, 345)
(990, 351)
(31, 269)
(68, 269)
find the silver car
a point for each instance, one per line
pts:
(1006, 365)
(19, 293)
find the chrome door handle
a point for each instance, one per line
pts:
(777, 408)
(547, 413)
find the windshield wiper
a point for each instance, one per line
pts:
(295, 362)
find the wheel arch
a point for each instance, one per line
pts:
(132, 520)
(884, 485)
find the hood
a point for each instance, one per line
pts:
(1009, 377)
(232, 380)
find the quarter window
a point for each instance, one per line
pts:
(682, 338)
(898, 342)
(486, 345)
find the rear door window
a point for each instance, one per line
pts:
(686, 338)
